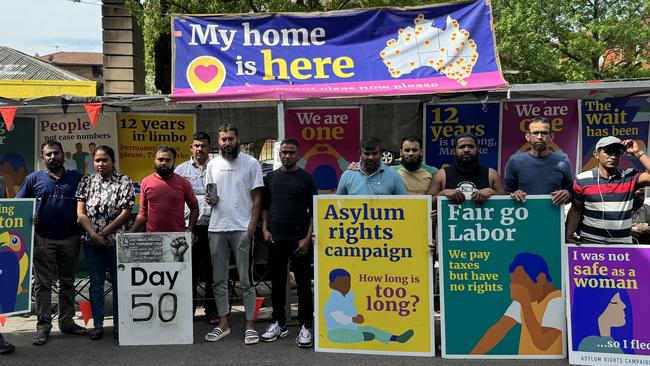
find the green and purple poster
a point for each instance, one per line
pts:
(608, 304)
(16, 248)
(625, 118)
(561, 114)
(501, 279)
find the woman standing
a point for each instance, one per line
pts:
(104, 207)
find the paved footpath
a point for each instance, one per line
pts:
(71, 350)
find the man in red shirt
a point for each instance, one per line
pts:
(163, 196)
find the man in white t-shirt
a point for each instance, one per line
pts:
(239, 184)
(536, 304)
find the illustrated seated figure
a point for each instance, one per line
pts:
(342, 320)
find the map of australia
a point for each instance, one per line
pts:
(449, 51)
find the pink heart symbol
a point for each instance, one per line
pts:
(206, 73)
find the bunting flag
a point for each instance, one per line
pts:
(64, 105)
(8, 114)
(3, 320)
(93, 110)
(86, 310)
(259, 301)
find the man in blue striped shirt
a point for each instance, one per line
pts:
(603, 197)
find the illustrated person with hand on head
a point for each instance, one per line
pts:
(539, 171)
(603, 197)
(536, 304)
(104, 202)
(342, 320)
(466, 178)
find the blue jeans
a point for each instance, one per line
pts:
(101, 260)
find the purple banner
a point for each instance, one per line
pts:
(609, 301)
(563, 116)
(352, 53)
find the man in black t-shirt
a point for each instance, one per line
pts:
(287, 225)
(466, 179)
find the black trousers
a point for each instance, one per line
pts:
(280, 253)
(202, 269)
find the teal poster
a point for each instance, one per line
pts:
(17, 152)
(16, 248)
(501, 279)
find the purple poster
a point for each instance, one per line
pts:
(563, 116)
(608, 304)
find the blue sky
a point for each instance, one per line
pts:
(40, 26)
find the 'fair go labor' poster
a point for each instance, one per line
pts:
(501, 279)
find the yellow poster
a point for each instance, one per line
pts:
(373, 275)
(139, 136)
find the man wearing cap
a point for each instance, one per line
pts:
(601, 211)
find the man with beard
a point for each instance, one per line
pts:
(239, 183)
(56, 240)
(163, 196)
(640, 218)
(466, 179)
(373, 177)
(601, 209)
(416, 175)
(539, 171)
(287, 224)
(194, 171)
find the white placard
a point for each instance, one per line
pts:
(154, 276)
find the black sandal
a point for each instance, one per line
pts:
(40, 338)
(96, 334)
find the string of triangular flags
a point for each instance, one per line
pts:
(92, 110)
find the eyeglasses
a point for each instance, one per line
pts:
(542, 134)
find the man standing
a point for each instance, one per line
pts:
(416, 175)
(539, 171)
(80, 158)
(373, 177)
(601, 210)
(640, 218)
(287, 207)
(163, 196)
(466, 179)
(56, 240)
(194, 171)
(239, 183)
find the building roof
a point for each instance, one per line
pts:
(15, 65)
(74, 58)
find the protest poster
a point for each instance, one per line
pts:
(329, 140)
(443, 122)
(154, 276)
(78, 138)
(16, 250)
(625, 118)
(379, 52)
(563, 117)
(608, 304)
(139, 135)
(373, 275)
(18, 152)
(501, 278)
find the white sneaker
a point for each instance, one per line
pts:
(304, 339)
(274, 331)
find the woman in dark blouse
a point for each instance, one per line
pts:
(104, 207)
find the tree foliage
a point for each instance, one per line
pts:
(538, 40)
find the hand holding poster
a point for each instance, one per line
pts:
(154, 275)
(16, 250)
(501, 279)
(608, 304)
(374, 272)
